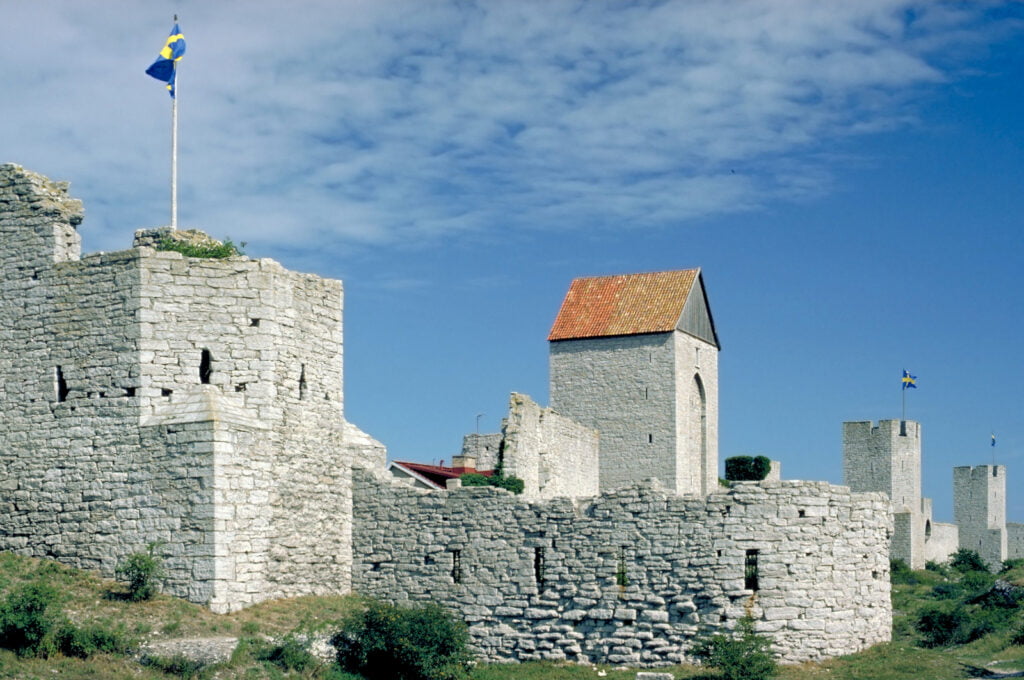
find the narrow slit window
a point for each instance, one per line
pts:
(456, 566)
(650, 438)
(205, 367)
(538, 565)
(60, 384)
(302, 382)
(621, 573)
(750, 576)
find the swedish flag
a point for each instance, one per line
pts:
(165, 65)
(909, 381)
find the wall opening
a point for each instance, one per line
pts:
(205, 367)
(750, 576)
(702, 411)
(621, 574)
(456, 566)
(538, 565)
(60, 385)
(254, 322)
(927, 528)
(650, 438)
(302, 382)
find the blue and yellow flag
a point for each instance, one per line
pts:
(909, 381)
(165, 65)
(993, 439)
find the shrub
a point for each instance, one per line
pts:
(747, 468)
(744, 655)
(1018, 637)
(178, 664)
(1009, 565)
(84, 641)
(942, 626)
(965, 561)
(387, 642)
(900, 573)
(291, 653)
(513, 484)
(142, 571)
(29, 619)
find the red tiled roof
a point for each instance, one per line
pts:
(439, 474)
(628, 304)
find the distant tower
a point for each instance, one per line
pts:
(979, 507)
(887, 458)
(636, 358)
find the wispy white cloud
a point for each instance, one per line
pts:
(406, 121)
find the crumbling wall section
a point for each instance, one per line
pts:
(553, 455)
(632, 576)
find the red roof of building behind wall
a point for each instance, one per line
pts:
(628, 304)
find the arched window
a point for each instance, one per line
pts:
(700, 406)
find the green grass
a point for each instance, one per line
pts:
(87, 601)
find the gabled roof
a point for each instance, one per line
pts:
(634, 304)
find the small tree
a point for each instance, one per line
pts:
(965, 561)
(30, 616)
(142, 571)
(744, 655)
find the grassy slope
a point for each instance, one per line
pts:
(88, 599)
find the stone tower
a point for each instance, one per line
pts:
(887, 457)
(636, 358)
(146, 396)
(979, 507)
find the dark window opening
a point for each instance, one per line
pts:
(801, 513)
(650, 438)
(995, 471)
(164, 392)
(375, 566)
(428, 559)
(621, 575)
(205, 367)
(302, 382)
(456, 566)
(240, 387)
(254, 322)
(750, 581)
(719, 553)
(129, 391)
(61, 385)
(538, 565)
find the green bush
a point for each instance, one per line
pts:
(387, 642)
(742, 656)
(142, 571)
(178, 664)
(513, 484)
(291, 653)
(900, 573)
(30, 616)
(1018, 637)
(941, 626)
(747, 468)
(965, 561)
(84, 641)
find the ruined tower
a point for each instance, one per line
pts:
(636, 358)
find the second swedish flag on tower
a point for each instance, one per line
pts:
(165, 65)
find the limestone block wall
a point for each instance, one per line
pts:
(640, 393)
(483, 447)
(553, 455)
(632, 576)
(1014, 541)
(942, 543)
(979, 507)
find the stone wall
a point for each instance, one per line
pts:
(553, 455)
(632, 576)
(1014, 541)
(484, 448)
(149, 396)
(641, 393)
(943, 541)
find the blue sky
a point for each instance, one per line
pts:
(847, 175)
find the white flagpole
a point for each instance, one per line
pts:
(174, 153)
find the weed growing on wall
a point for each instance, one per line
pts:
(213, 250)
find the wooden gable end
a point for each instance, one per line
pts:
(696, 319)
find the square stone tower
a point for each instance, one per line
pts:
(979, 506)
(887, 457)
(636, 358)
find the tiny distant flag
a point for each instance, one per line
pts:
(909, 381)
(993, 439)
(165, 65)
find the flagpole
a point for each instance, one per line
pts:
(174, 155)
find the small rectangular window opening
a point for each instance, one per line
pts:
(621, 574)
(254, 322)
(650, 438)
(538, 565)
(164, 392)
(302, 382)
(456, 566)
(60, 384)
(750, 580)
(801, 513)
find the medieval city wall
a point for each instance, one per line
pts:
(553, 455)
(696, 404)
(979, 508)
(633, 575)
(1014, 541)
